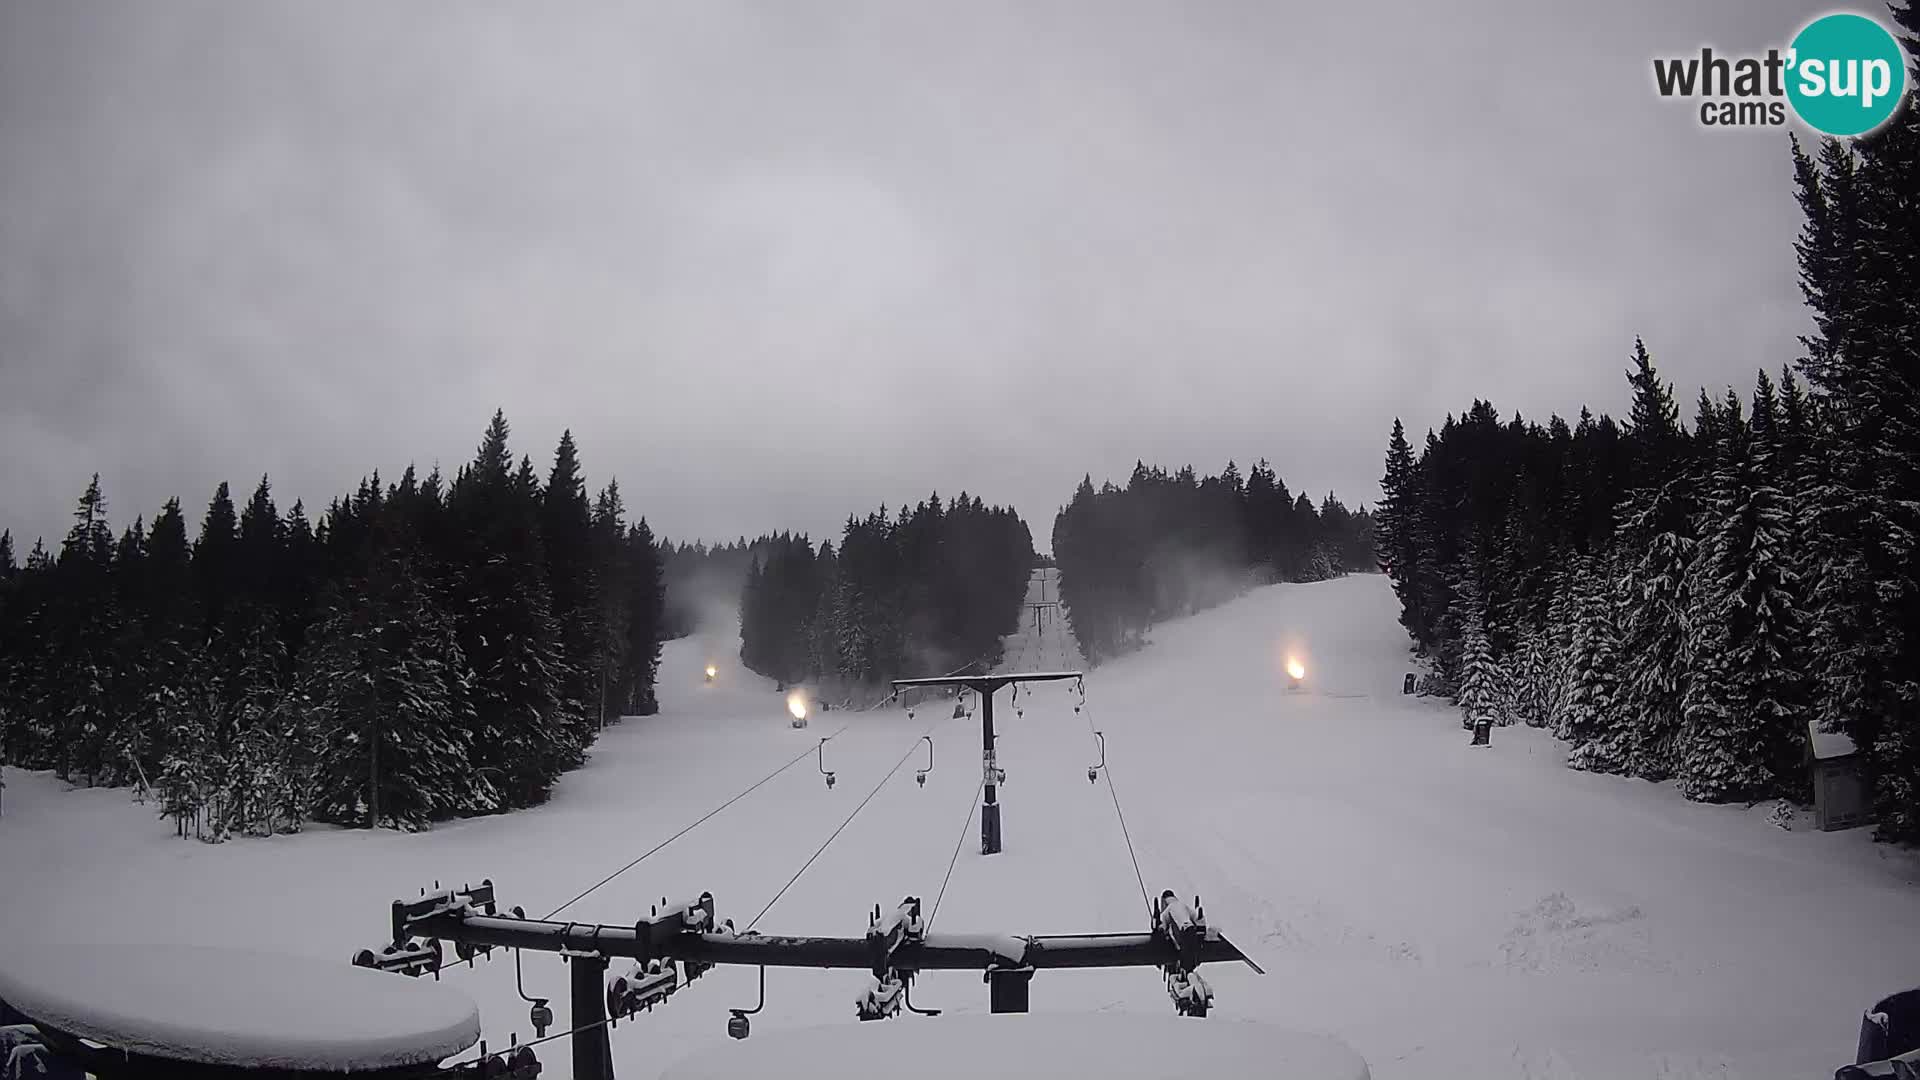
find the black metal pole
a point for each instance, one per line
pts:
(592, 1052)
(990, 805)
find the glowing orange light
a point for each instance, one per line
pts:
(1295, 669)
(797, 705)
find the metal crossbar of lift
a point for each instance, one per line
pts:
(985, 686)
(678, 942)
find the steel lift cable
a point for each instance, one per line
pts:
(716, 810)
(483, 1053)
(1107, 770)
(843, 825)
(966, 826)
(704, 818)
(973, 805)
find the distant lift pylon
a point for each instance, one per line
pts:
(992, 775)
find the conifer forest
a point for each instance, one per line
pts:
(1680, 597)
(422, 649)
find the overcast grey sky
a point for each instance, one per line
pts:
(773, 263)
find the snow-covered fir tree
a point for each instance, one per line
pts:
(1531, 677)
(1655, 629)
(176, 666)
(1594, 660)
(390, 698)
(1750, 717)
(1482, 688)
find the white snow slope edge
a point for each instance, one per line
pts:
(237, 1007)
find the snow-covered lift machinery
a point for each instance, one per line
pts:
(993, 776)
(897, 947)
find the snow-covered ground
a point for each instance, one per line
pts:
(1446, 911)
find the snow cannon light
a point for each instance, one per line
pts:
(1295, 669)
(712, 672)
(797, 705)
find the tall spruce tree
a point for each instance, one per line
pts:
(526, 731)
(1655, 625)
(1482, 690)
(566, 536)
(392, 708)
(1594, 663)
(1752, 595)
(646, 605)
(215, 559)
(1859, 258)
(611, 576)
(79, 657)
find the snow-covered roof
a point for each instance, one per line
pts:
(1827, 744)
(237, 1007)
(1031, 1046)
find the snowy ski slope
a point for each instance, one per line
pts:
(1445, 911)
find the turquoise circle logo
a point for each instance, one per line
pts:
(1847, 74)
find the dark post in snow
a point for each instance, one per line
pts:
(1482, 732)
(986, 686)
